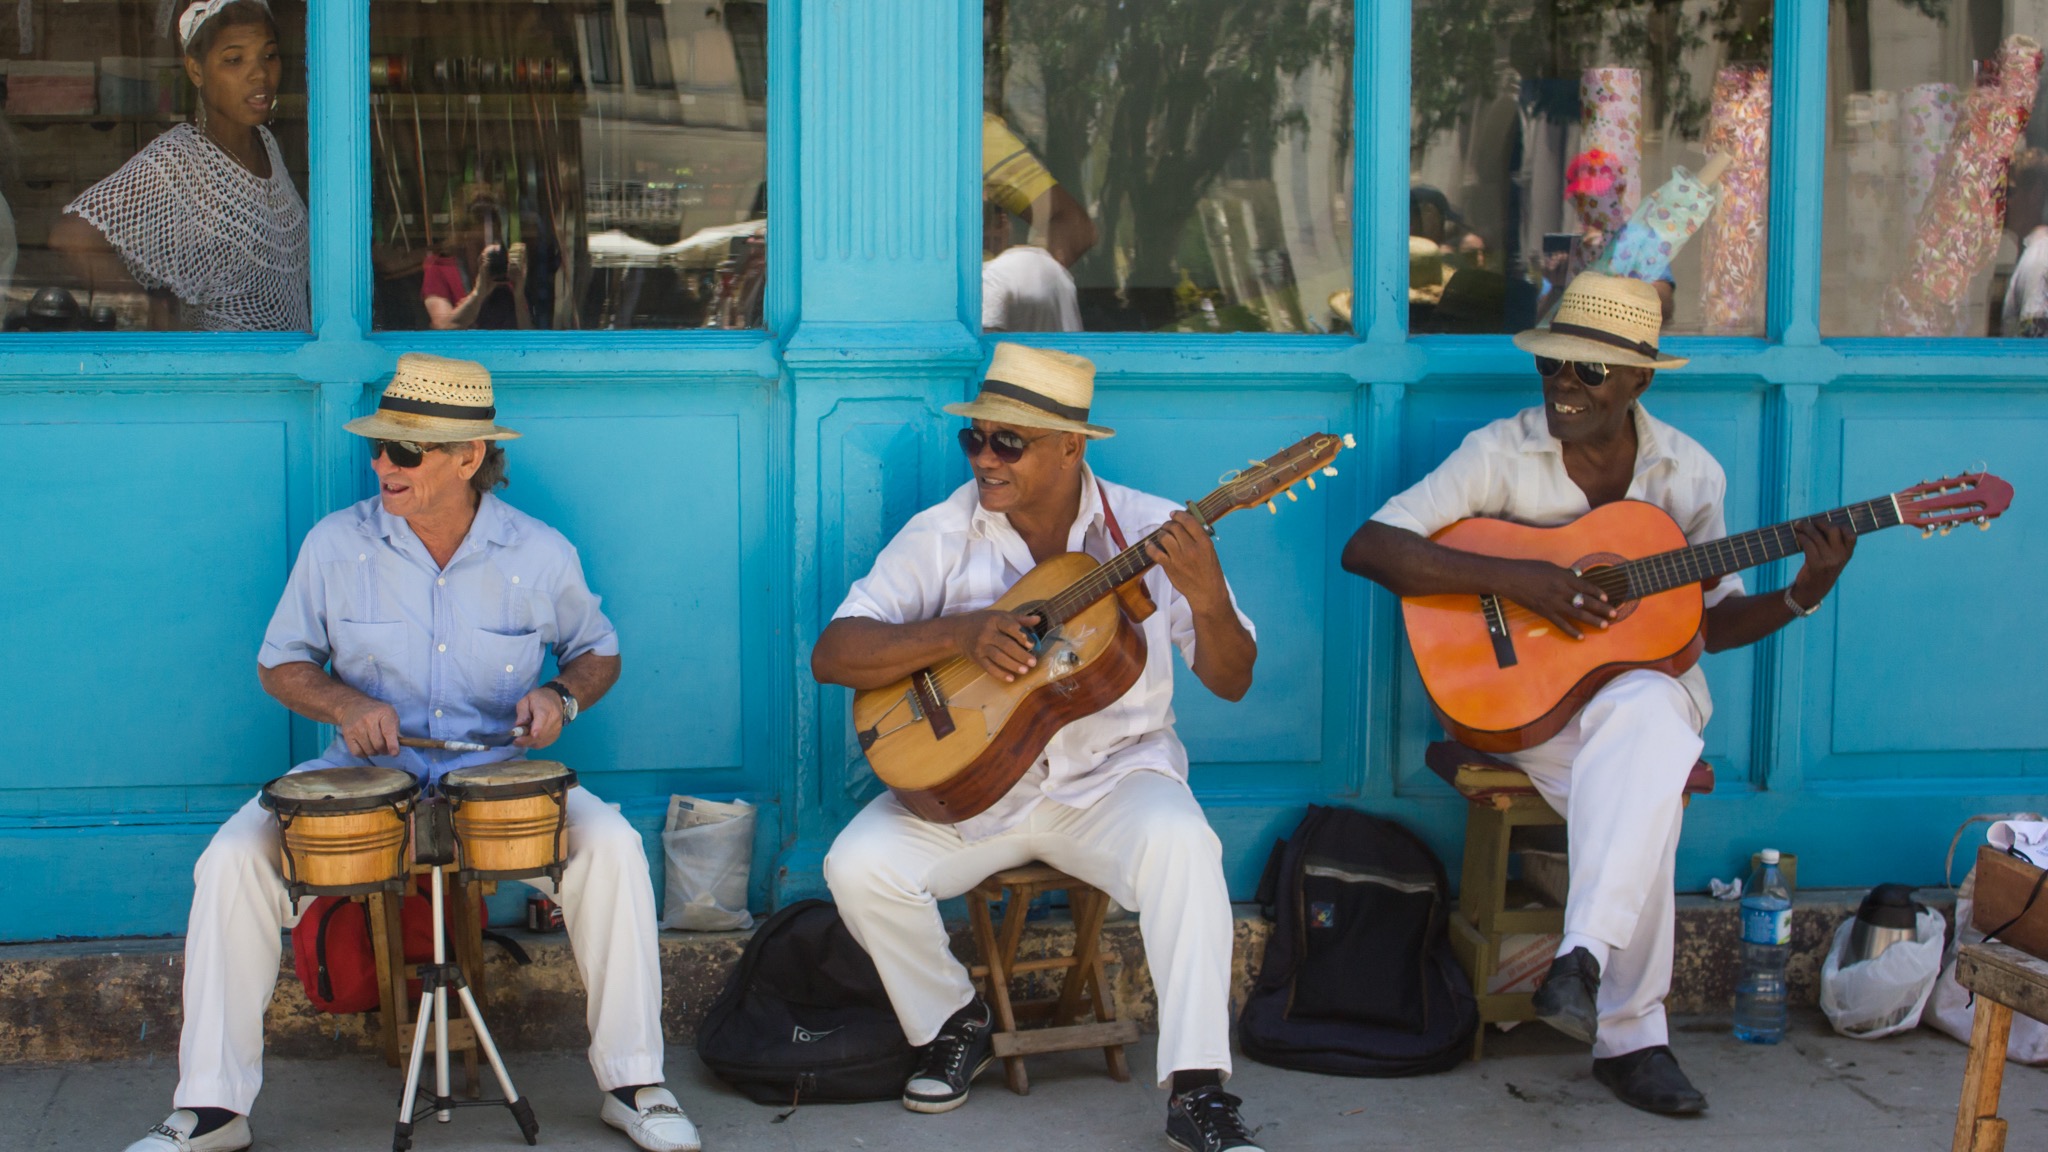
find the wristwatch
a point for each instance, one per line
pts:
(1794, 605)
(569, 705)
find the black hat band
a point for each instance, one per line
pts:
(429, 408)
(1604, 337)
(1038, 400)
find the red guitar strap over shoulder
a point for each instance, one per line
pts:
(1109, 517)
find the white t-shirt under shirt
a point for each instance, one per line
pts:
(1024, 289)
(958, 557)
(1513, 469)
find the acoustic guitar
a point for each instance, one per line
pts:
(1502, 678)
(951, 740)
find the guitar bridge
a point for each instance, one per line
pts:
(1497, 630)
(926, 699)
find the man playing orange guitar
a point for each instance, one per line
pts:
(1109, 800)
(1617, 769)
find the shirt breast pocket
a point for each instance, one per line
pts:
(368, 653)
(507, 664)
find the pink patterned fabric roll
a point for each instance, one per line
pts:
(1612, 123)
(1927, 118)
(1734, 244)
(1956, 235)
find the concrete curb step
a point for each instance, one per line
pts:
(119, 999)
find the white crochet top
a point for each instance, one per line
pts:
(232, 246)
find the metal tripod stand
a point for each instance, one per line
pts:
(434, 844)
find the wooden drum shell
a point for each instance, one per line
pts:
(343, 831)
(526, 834)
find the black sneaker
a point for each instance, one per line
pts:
(1206, 1120)
(961, 1051)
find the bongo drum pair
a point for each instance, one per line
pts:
(346, 831)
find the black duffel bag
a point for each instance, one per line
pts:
(805, 1018)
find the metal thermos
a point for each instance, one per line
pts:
(1886, 916)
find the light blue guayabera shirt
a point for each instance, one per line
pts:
(452, 649)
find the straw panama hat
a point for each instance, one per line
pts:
(434, 400)
(1603, 320)
(1036, 388)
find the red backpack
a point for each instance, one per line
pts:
(335, 961)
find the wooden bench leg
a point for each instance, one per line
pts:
(1978, 1128)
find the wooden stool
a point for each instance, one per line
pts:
(2006, 980)
(394, 1002)
(999, 964)
(1490, 906)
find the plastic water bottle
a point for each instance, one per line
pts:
(1766, 945)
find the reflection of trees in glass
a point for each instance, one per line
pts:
(1458, 42)
(1161, 95)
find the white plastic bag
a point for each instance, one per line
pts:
(1883, 996)
(708, 852)
(1951, 1010)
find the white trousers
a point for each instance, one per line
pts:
(1146, 843)
(232, 950)
(1617, 774)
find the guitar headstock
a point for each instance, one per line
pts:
(1280, 472)
(1939, 505)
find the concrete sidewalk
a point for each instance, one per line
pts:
(1816, 1092)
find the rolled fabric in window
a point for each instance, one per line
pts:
(1733, 250)
(1663, 222)
(1927, 118)
(1957, 232)
(1870, 142)
(1604, 180)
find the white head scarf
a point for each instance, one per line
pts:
(198, 13)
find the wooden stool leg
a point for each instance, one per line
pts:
(387, 939)
(1015, 907)
(1087, 910)
(1098, 990)
(468, 946)
(1978, 1128)
(996, 984)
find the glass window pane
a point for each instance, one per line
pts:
(153, 167)
(1552, 136)
(589, 164)
(1167, 165)
(1935, 177)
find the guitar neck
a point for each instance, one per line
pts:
(1716, 558)
(1120, 569)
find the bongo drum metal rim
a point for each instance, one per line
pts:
(461, 791)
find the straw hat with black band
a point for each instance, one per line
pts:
(1036, 388)
(434, 400)
(1603, 320)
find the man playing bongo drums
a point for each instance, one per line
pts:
(435, 603)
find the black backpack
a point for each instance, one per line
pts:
(1358, 978)
(805, 1017)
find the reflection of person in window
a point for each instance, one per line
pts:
(1012, 177)
(2026, 295)
(205, 218)
(1023, 288)
(477, 280)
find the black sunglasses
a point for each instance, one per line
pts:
(1007, 445)
(1591, 375)
(401, 453)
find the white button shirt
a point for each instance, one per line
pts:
(1513, 469)
(958, 557)
(451, 649)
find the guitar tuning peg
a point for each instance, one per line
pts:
(1350, 441)
(1926, 532)
(1291, 496)
(1945, 528)
(1272, 507)
(1329, 471)
(1311, 483)
(1983, 523)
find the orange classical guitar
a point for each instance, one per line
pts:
(1502, 678)
(950, 740)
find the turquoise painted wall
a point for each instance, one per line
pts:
(725, 488)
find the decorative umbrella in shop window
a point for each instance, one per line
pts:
(1662, 223)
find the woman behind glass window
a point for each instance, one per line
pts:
(205, 218)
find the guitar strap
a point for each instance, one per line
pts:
(1109, 517)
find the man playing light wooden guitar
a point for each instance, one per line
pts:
(1617, 767)
(1108, 802)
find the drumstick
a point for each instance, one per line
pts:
(453, 745)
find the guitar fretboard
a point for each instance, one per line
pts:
(1120, 569)
(1716, 558)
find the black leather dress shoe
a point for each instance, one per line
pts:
(1650, 1079)
(1569, 999)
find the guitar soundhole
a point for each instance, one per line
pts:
(1588, 565)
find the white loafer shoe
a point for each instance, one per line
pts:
(655, 1122)
(175, 1135)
